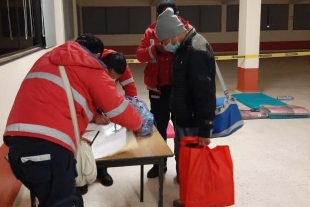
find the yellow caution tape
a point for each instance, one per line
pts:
(236, 57)
(132, 61)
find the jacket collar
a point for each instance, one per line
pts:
(188, 38)
(93, 56)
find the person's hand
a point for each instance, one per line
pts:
(139, 131)
(160, 47)
(102, 120)
(203, 141)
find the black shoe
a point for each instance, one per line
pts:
(178, 203)
(105, 179)
(154, 171)
(83, 190)
(176, 179)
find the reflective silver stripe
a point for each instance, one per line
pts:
(38, 158)
(227, 131)
(150, 52)
(38, 129)
(126, 82)
(152, 89)
(118, 110)
(57, 80)
(82, 101)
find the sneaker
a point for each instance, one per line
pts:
(154, 171)
(105, 179)
(178, 203)
(83, 190)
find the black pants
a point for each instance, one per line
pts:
(160, 108)
(46, 169)
(181, 132)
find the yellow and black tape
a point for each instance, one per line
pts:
(236, 57)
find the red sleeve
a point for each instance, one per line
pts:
(188, 26)
(127, 82)
(146, 50)
(113, 104)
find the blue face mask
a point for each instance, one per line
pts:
(172, 48)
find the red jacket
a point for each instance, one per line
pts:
(41, 108)
(157, 72)
(126, 80)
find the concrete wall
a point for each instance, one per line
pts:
(127, 42)
(14, 72)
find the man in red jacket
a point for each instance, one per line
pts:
(39, 130)
(119, 71)
(157, 75)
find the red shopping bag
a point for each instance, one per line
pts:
(205, 175)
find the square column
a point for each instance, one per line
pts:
(248, 44)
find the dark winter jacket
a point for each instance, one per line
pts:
(193, 99)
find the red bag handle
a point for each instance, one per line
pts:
(189, 140)
(193, 141)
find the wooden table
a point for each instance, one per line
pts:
(150, 150)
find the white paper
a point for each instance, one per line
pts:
(90, 135)
(92, 126)
(108, 141)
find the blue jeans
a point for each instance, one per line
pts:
(181, 132)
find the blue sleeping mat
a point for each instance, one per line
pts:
(255, 100)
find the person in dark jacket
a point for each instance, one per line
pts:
(193, 99)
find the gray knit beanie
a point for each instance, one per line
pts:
(168, 25)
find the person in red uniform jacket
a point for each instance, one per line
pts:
(39, 129)
(119, 72)
(157, 75)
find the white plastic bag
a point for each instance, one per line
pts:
(86, 165)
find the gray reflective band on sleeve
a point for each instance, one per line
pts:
(118, 110)
(39, 129)
(126, 82)
(57, 80)
(150, 52)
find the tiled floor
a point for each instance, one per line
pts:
(271, 157)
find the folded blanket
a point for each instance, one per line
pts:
(286, 110)
(248, 114)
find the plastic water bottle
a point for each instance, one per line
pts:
(147, 116)
(287, 98)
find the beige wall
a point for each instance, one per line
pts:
(218, 37)
(14, 72)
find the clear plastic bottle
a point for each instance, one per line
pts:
(147, 116)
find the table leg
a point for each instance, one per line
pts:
(161, 182)
(33, 199)
(141, 183)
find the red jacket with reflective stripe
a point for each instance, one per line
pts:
(126, 80)
(41, 108)
(158, 69)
